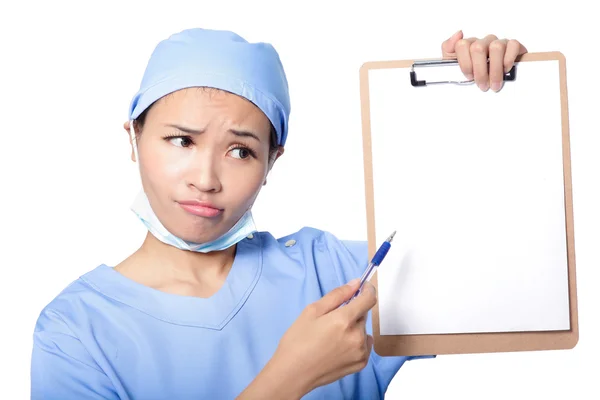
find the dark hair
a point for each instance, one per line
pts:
(273, 146)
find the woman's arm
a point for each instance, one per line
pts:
(275, 382)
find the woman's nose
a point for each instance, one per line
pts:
(204, 174)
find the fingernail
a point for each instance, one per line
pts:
(372, 289)
(496, 86)
(469, 77)
(483, 86)
(353, 282)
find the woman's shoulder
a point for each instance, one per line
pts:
(307, 233)
(309, 237)
(347, 256)
(75, 299)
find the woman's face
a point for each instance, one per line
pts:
(204, 155)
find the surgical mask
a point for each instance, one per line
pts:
(141, 207)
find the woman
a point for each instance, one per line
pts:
(207, 307)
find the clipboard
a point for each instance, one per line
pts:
(407, 84)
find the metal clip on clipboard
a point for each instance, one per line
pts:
(509, 76)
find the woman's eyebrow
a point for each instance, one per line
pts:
(240, 133)
(185, 129)
(191, 131)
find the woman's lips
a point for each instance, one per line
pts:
(200, 208)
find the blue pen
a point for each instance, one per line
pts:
(375, 262)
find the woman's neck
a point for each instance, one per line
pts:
(169, 269)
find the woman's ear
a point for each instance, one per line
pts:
(280, 151)
(126, 126)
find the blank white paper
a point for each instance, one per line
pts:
(473, 184)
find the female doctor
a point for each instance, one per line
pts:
(207, 307)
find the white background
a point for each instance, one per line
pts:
(68, 71)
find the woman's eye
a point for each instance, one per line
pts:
(240, 152)
(181, 141)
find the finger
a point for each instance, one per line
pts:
(513, 49)
(370, 342)
(449, 45)
(361, 322)
(496, 64)
(463, 55)
(479, 57)
(335, 298)
(361, 304)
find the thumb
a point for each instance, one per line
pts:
(336, 297)
(449, 46)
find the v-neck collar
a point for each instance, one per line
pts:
(211, 313)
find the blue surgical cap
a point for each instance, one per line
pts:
(222, 60)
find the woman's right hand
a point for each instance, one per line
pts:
(327, 342)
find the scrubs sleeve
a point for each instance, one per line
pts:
(61, 367)
(350, 259)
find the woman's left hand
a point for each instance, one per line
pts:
(473, 53)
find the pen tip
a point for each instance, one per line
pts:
(391, 236)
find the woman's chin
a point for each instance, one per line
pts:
(199, 231)
(203, 236)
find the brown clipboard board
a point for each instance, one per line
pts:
(469, 343)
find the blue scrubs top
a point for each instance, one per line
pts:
(108, 337)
